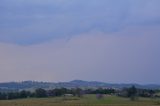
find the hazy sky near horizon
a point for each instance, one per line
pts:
(115, 41)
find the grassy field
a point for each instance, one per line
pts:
(88, 100)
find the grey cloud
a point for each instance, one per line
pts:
(114, 57)
(35, 21)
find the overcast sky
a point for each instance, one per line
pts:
(114, 41)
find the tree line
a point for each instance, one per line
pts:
(41, 93)
(131, 92)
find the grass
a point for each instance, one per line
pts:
(87, 100)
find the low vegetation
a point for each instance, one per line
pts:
(86, 100)
(82, 97)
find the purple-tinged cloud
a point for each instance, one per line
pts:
(131, 55)
(27, 22)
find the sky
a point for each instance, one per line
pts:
(114, 41)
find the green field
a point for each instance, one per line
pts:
(87, 100)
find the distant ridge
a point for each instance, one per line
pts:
(72, 84)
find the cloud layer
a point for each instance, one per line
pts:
(90, 56)
(58, 40)
(37, 21)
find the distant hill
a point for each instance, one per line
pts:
(30, 85)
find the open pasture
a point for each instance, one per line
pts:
(87, 100)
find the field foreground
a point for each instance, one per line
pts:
(88, 100)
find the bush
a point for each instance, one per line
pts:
(40, 93)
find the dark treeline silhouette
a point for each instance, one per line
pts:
(41, 93)
(131, 92)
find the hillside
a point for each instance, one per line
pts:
(71, 84)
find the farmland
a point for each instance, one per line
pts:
(87, 100)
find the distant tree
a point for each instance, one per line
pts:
(63, 90)
(79, 92)
(40, 93)
(132, 93)
(57, 92)
(152, 92)
(13, 95)
(109, 91)
(100, 91)
(24, 94)
(3, 96)
(51, 93)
